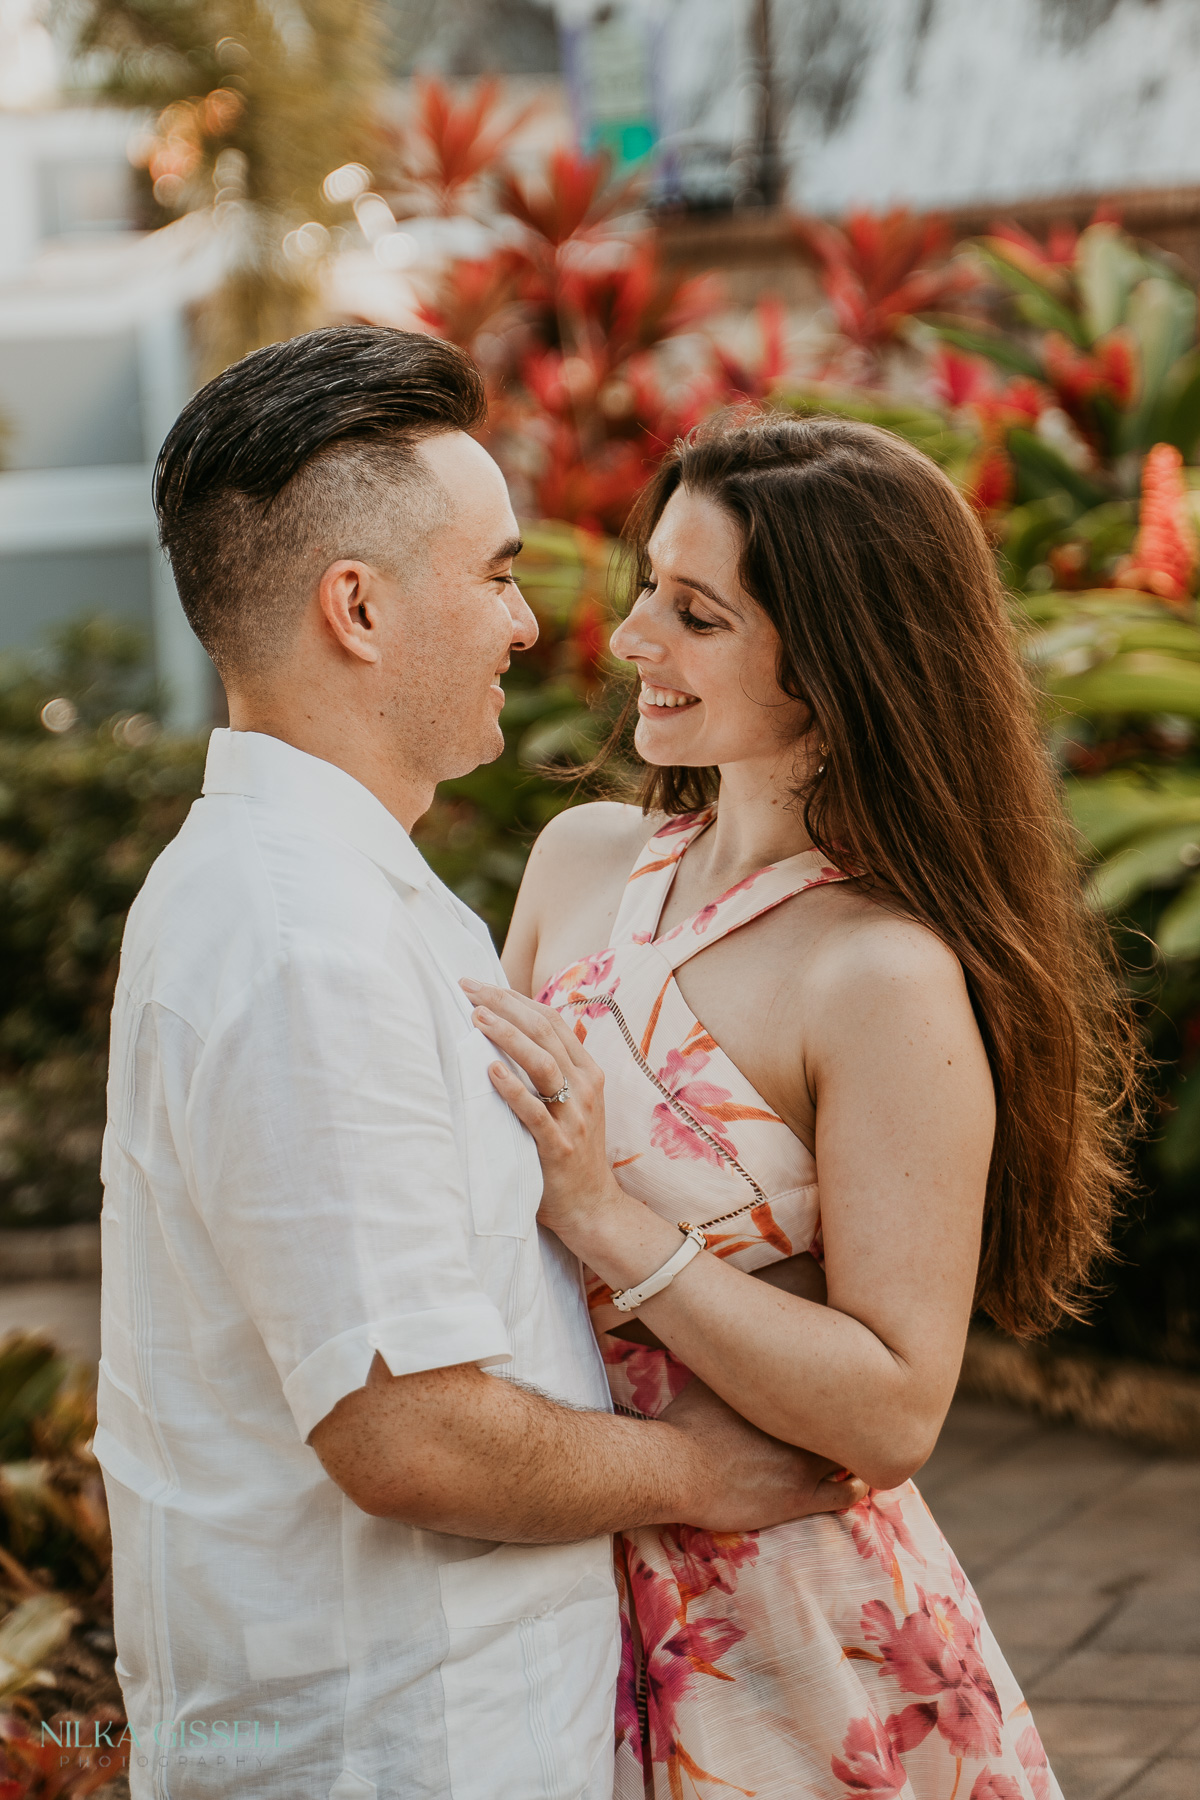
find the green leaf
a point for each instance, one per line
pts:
(1151, 861)
(1108, 268)
(1044, 471)
(1179, 1146)
(1135, 685)
(1037, 302)
(1178, 931)
(1109, 810)
(1177, 420)
(1005, 352)
(1162, 318)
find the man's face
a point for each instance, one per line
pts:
(457, 617)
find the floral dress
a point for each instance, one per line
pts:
(834, 1656)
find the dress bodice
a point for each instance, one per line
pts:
(687, 1133)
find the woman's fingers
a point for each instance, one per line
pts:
(527, 1107)
(540, 1064)
(541, 1023)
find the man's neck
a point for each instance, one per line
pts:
(344, 744)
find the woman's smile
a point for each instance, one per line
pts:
(654, 700)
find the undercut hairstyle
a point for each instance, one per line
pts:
(937, 791)
(301, 455)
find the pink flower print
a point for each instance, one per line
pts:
(701, 1560)
(868, 1764)
(681, 822)
(934, 1652)
(628, 1725)
(711, 1106)
(641, 937)
(994, 1787)
(675, 1653)
(587, 974)
(1032, 1757)
(707, 914)
(878, 1526)
(673, 1135)
(653, 1378)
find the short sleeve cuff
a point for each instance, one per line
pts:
(472, 1331)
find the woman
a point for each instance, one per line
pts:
(852, 867)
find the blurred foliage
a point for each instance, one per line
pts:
(254, 107)
(85, 807)
(56, 1643)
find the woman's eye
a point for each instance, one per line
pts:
(694, 622)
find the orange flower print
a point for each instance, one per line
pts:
(934, 1652)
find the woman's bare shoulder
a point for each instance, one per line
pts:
(870, 950)
(599, 838)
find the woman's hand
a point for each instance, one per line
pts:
(569, 1134)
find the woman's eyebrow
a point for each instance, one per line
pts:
(709, 593)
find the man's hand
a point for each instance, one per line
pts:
(747, 1479)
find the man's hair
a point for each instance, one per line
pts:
(294, 458)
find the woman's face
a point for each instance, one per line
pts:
(706, 652)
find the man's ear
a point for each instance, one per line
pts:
(348, 595)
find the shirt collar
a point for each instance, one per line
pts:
(265, 768)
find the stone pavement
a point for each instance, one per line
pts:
(1085, 1553)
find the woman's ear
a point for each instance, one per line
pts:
(348, 597)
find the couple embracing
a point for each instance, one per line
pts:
(427, 1283)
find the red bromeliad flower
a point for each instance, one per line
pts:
(574, 198)
(1080, 377)
(876, 271)
(1164, 556)
(934, 1652)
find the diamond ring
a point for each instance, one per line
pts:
(555, 1099)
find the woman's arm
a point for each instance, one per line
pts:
(905, 1115)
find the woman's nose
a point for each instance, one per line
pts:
(630, 641)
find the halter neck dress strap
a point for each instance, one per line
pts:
(653, 873)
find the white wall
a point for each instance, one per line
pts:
(941, 102)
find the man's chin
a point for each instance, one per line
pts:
(489, 749)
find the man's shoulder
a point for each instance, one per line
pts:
(240, 888)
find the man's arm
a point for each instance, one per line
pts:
(459, 1451)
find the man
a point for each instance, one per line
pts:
(354, 1427)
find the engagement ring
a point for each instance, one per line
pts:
(556, 1099)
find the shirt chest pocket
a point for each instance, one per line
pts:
(503, 1175)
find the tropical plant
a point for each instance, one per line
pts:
(90, 791)
(1093, 359)
(254, 109)
(879, 271)
(56, 1646)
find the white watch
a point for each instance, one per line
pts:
(694, 1241)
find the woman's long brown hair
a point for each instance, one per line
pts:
(937, 787)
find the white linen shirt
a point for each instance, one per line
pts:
(306, 1163)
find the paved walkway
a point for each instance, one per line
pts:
(1085, 1552)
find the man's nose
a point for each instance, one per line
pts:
(524, 623)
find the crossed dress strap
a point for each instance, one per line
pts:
(654, 872)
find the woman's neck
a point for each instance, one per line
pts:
(758, 820)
